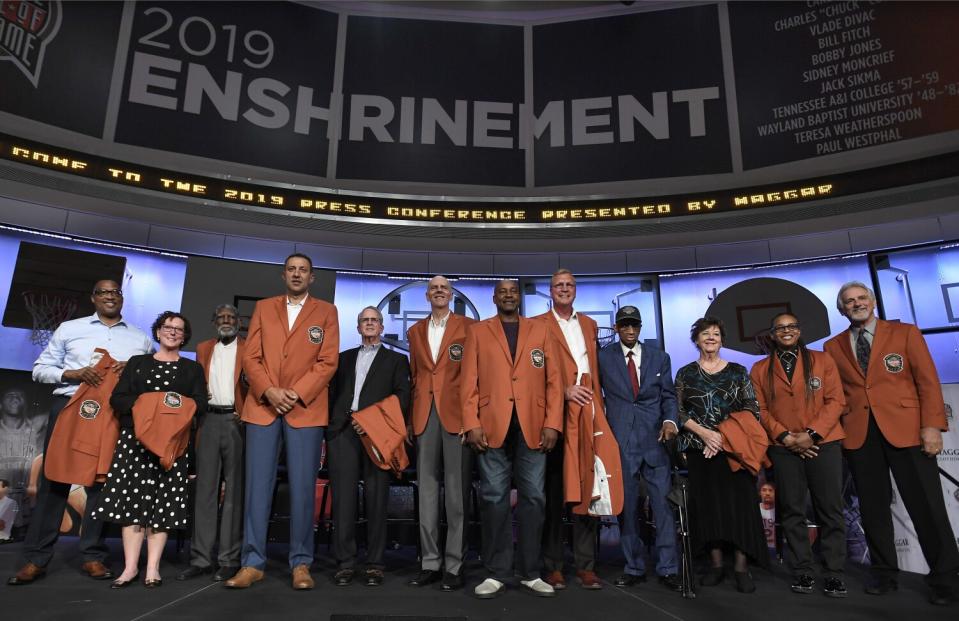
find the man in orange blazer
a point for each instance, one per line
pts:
(436, 358)
(291, 354)
(219, 452)
(512, 396)
(800, 400)
(894, 419)
(577, 337)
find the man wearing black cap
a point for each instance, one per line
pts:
(641, 409)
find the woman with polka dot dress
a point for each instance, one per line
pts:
(142, 496)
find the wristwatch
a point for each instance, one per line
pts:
(781, 437)
(816, 438)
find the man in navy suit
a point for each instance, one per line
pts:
(641, 409)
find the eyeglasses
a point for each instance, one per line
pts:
(370, 320)
(630, 326)
(171, 330)
(102, 293)
(789, 327)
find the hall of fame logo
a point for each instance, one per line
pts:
(89, 409)
(537, 358)
(315, 334)
(893, 363)
(26, 29)
(456, 352)
(815, 383)
(172, 400)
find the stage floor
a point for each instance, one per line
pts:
(65, 594)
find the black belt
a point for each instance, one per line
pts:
(221, 409)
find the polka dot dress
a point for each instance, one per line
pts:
(138, 490)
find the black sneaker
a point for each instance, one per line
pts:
(834, 587)
(804, 583)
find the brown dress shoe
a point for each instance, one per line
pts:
(556, 580)
(302, 581)
(589, 579)
(244, 578)
(27, 574)
(96, 570)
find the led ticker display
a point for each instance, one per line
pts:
(466, 211)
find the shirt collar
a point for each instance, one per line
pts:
(95, 318)
(442, 322)
(300, 303)
(369, 348)
(636, 349)
(573, 317)
(869, 327)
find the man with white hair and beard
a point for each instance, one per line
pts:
(219, 449)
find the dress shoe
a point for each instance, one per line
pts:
(556, 580)
(834, 587)
(153, 583)
(881, 586)
(713, 577)
(589, 580)
(803, 583)
(374, 577)
(538, 588)
(192, 572)
(489, 588)
(671, 582)
(628, 580)
(344, 577)
(96, 570)
(302, 580)
(451, 582)
(425, 577)
(942, 595)
(244, 578)
(744, 582)
(120, 583)
(27, 574)
(225, 573)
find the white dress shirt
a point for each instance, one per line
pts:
(222, 369)
(364, 359)
(434, 334)
(573, 332)
(293, 310)
(637, 358)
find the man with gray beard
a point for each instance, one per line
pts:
(219, 452)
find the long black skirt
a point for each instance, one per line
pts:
(724, 507)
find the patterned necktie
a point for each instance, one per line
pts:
(863, 348)
(631, 369)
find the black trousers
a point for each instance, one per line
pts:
(348, 464)
(584, 526)
(44, 528)
(819, 478)
(917, 479)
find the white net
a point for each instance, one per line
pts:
(48, 310)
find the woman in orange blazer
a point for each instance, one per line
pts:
(800, 400)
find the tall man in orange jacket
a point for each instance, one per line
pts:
(291, 354)
(577, 337)
(513, 413)
(895, 416)
(219, 452)
(436, 359)
(800, 400)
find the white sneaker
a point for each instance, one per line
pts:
(489, 588)
(538, 588)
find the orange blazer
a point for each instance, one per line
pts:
(161, 422)
(492, 383)
(86, 432)
(744, 442)
(204, 355)
(586, 431)
(790, 411)
(302, 359)
(901, 389)
(384, 435)
(437, 382)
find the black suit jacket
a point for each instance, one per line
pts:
(389, 375)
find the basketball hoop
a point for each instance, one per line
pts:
(48, 310)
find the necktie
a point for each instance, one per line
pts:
(863, 349)
(631, 368)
